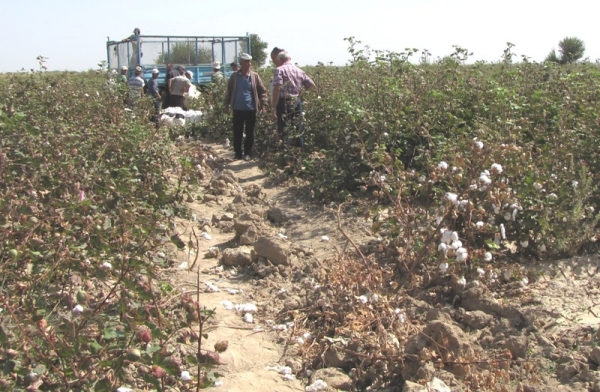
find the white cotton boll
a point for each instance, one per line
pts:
(514, 213)
(194, 217)
(106, 265)
(183, 265)
(574, 184)
(481, 272)
(502, 231)
(484, 179)
(282, 236)
(478, 145)
(552, 196)
(454, 236)
(524, 282)
(289, 377)
(185, 376)
(447, 236)
(249, 307)
(454, 169)
(280, 327)
(227, 305)
(77, 310)
(507, 216)
(422, 178)
(382, 178)
(161, 255)
(218, 383)
(300, 341)
(212, 287)
(542, 248)
(442, 247)
(307, 336)
(473, 187)
(316, 386)
(462, 281)
(442, 165)
(124, 389)
(496, 168)
(487, 256)
(324, 238)
(524, 243)
(443, 267)
(456, 244)
(248, 318)
(206, 236)
(401, 315)
(363, 299)
(460, 257)
(479, 225)
(451, 197)
(495, 208)
(537, 186)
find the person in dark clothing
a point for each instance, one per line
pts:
(171, 73)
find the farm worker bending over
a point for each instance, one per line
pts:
(136, 86)
(246, 95)
(287, 102)
(178, 86)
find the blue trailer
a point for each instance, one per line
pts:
(196, 54)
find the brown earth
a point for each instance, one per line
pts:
(261, 240)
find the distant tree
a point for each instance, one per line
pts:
(257, 50)
(185, 53)
(571, 49)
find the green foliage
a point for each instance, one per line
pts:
(85, 205)
(185, 53)
(258, 50)
(571, 50)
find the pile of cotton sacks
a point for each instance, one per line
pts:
(177, 117)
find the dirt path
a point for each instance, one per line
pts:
(252, 346)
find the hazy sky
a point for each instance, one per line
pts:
(72, 34)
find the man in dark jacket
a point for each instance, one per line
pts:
(246, 95)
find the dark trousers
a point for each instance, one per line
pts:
(241, 118)
(289, 120)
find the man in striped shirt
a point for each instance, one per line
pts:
(136, 86)
(287, 103)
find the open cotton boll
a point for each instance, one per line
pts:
(443, 267)
(248, 318)
(487, 256)
(442, 165)
(249, 307)
(316, 386)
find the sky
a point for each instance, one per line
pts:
(73, 34)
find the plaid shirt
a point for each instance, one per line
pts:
(291, 79)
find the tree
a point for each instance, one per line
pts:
(185, 53)
(258, 52)
(571, 49)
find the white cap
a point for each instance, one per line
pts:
(216, 65)
(124, 68)
(245, 56)
(189, 73)
(155, 71)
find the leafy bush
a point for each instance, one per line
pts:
(85, 205)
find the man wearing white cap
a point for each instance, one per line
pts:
(217, 76)
(136, 86)
(153, 90)
(246, 95)
(123, 76)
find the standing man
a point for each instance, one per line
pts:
(246, 95)
(171, 73)
(136, 86)
(234, 66)
(135, 39)
(287, 102)
(153, 90)
(217, 76)
(122, 78)
(178, 86)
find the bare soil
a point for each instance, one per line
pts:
(500, 334)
